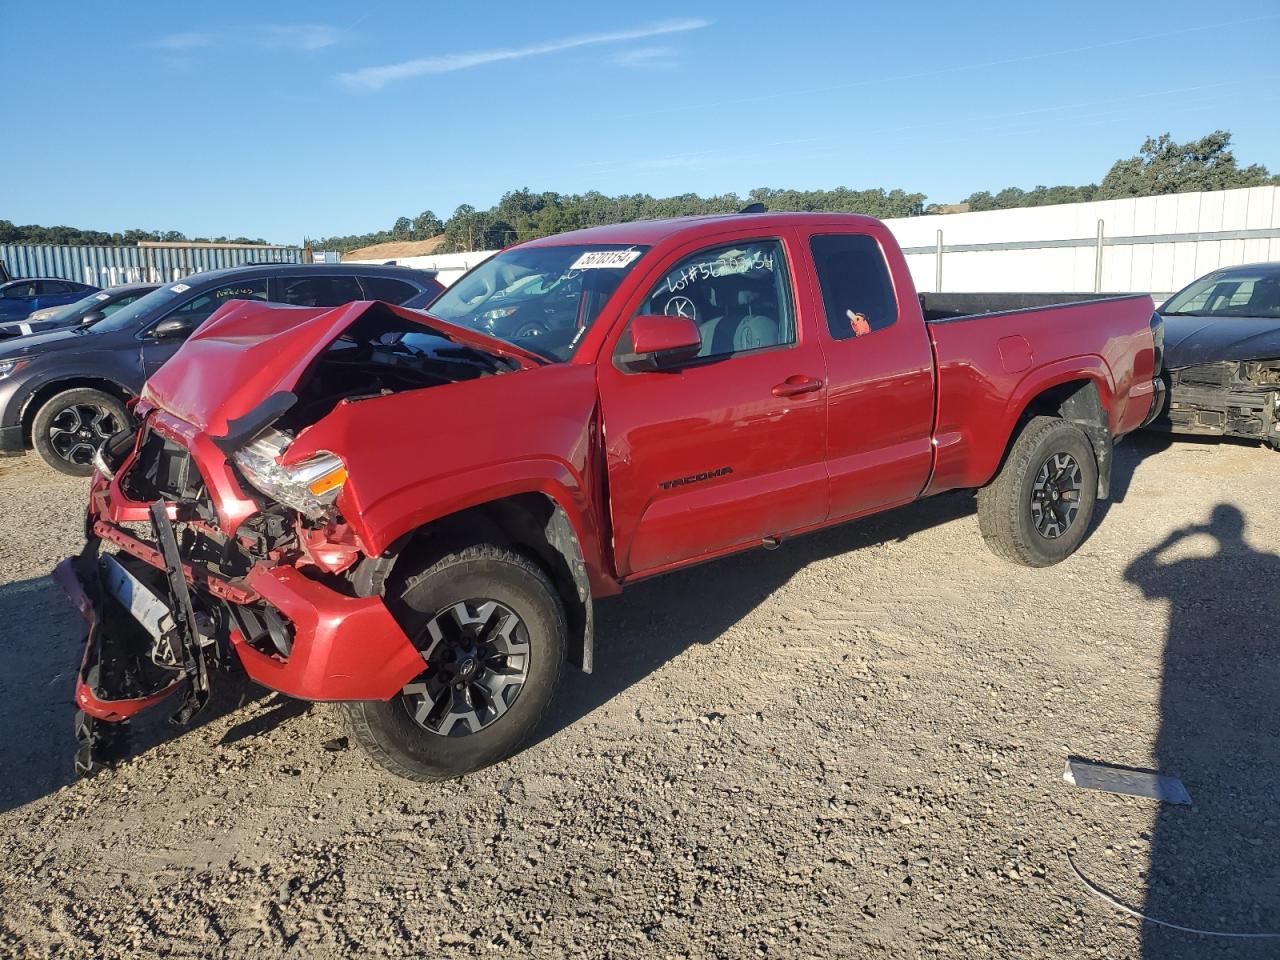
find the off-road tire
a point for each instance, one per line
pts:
(55, 405)
(387, 731)
(1005, 505)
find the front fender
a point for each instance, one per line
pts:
(419, 503)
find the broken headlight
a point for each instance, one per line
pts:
(310, 486)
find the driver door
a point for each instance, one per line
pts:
(729, 448)
(156, 349)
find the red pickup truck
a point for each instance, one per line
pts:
(410, 513)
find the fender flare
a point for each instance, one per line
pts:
(1089, 367)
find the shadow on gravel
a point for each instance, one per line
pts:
(1213, 864)
(40, 648)
(657, 620)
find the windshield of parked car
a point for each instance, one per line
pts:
(141, 309)
(540, 298)
(77, 309)
(92, 302)
(1237, 294)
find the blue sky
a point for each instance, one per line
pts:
(280, 120)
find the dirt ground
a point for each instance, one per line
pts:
(852, 746)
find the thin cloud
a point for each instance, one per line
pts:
(182, 41)
(645, 58)
(375, 78)
(272, 36)
(305, 36)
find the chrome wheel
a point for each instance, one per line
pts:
(1055, 495)
(477, 654)
(80, 429)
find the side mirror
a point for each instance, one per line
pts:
(659, 342)
(169, 329)
(93, 316)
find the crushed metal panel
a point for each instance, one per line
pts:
(1131, 783)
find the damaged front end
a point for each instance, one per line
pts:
(1230, 398)
(210, 543)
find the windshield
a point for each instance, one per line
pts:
(141, 309)
(73, 310)
(540, 298)
(1241, 293)
(78, 309)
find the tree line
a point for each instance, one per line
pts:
(1160, 166)
(32, 233)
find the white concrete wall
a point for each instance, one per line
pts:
(1157, 267)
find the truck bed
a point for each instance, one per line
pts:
(937, 307)
(988, 361)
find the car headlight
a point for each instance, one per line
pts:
(10, 366)
(309, 486)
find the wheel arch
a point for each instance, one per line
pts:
(1082, 396)
(533, 523)
(47, 391)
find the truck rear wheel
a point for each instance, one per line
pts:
(1038, 508)
(493, 634)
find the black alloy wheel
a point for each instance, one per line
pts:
(478, 659)
(1055, 495)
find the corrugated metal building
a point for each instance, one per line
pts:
(105, 266)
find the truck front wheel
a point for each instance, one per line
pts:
(493, 635)
(1038, 508)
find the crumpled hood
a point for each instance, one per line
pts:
(248, 351)
(1189, 341)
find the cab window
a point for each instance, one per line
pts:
(199, 309)
(737, 294)
(857, 293)
(319, 291)
(388, 289)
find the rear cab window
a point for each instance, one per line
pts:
(857, 291)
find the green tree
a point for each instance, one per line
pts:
(1163, 165)
(427, 225)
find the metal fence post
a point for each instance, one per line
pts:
(1097, 262)
(937, 282)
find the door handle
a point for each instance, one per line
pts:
(795, 385)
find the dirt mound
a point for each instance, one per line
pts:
(393, 251)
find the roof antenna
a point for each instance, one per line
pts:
(754, 208)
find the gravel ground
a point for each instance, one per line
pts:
(852, 746)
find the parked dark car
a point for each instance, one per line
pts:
(64, 392)
(82, 313)
(21, 297)
(1222, 355)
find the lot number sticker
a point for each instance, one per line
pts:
(604, 259)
